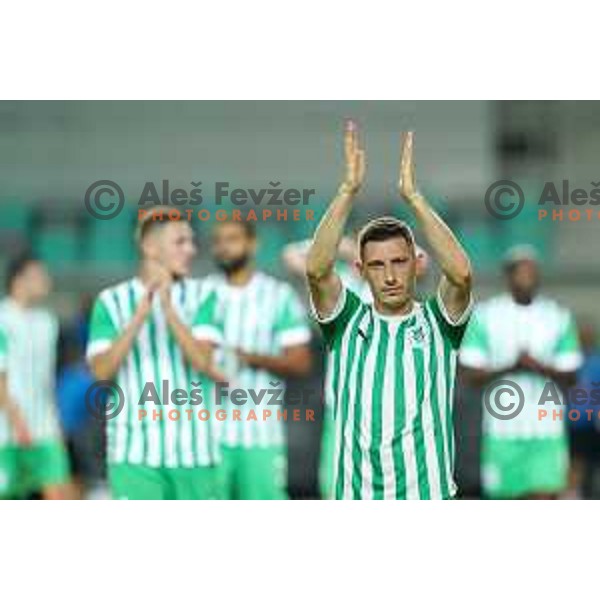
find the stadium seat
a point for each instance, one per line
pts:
(15, 225)
(480, 244)
(59, 247)
(110, 243)
(16, 215)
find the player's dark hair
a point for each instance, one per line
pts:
(16, 266)
(248, 226)
(384, 228)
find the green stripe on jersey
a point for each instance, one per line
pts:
(392, 379)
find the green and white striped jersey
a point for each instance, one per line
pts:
(262, 317)
(30, 362)
(155, 357)
(393, 379)
(499, 332)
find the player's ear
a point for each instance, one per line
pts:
(358, 266)
(148, 246)
(253, 246)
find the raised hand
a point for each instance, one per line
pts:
(160, 281)
(407, 183)
(354, 158)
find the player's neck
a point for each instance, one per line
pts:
(145, 273)
(523, 299)
(20, 298)
(240, 277)
(399, 311)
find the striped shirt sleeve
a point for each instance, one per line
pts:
(291, 326)
(103, 329)
(334, 325)
(207, 324)
(567, 353)
(453, 330)
(475, 348)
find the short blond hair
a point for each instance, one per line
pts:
(154, 218)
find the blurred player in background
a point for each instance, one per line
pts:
(393, 361)
(530, 340)
(12, 416)
(159, 327)
(266, 339)
(585, 431)
(83, 438)
(34, 460)
(348, 269)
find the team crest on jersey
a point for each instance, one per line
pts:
(417, 334)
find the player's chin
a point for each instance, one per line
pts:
(394, 300)
(180, 271)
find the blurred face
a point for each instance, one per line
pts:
(389, 268)
(232, 247)
(34, 282)
(523, 280)
(172, 246)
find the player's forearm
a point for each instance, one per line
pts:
(294, 257)
(324, 248)
(7, 405)
(446, 249)
(197, 353)
(564, 379)
(283, 366)
(4, 397)
(481, 377)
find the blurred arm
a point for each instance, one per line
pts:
(295, 254)
(199, 353)
(13, 413)
(295, 361)
(481, 377)
(105, 364)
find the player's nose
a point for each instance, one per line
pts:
(389, 275)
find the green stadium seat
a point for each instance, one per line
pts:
(477, 238)
(59, 247)
(526, 228)
(16, 215)
(110, 243)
